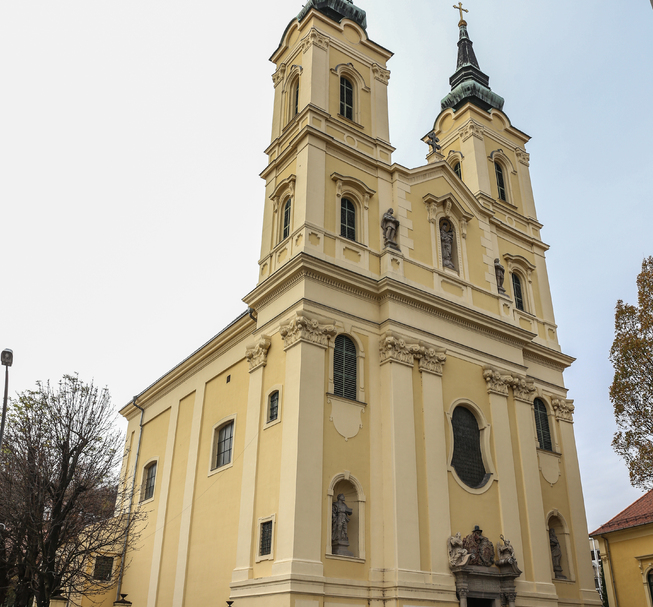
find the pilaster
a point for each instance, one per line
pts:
(314, 81)
(472, 146)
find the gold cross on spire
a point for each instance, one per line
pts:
(461, 9)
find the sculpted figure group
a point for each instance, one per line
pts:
(476, 549)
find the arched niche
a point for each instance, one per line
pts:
(347, 484)
(556, 522)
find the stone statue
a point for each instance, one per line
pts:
(556, 554)
(433, 141)
(390, 225)
(446, 238)
(458, 556)
(500, 272)
(340, 514)
(480, 548)
(506, 552)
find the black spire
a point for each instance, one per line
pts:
(469, 83)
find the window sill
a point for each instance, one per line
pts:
(265, 557)
(147, 501)
(221, 468)
(272, 423)
(352, 401)
(340, 557)
(547, 452)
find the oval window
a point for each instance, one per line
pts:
(467, 458)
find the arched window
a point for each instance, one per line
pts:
(501, 184)
(458, 170)
(295, 98)
(149, 480)
(344, 368)
(467, 458)
(347, 219)
(346, 98)
(542, 425)
(517, 292)
(273, 406)
(223, 445)
(286, 219)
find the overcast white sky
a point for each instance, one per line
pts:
(132, 136)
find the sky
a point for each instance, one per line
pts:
(131, 142)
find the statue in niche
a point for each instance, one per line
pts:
(433, 141)
(458, 556)
(480, 548)
(500, 272)
(446, 238)
(506, 552)
(340, 514)
(556, 554)
(390, 225)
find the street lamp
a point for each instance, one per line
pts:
(7, 359)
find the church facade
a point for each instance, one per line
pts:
(387, 425)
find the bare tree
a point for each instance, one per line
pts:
(58, 488)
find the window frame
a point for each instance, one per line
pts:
(516, 276)
(267, 422)
(346, 110)
(347, 371)
(148, 465)
(215, 436)
(286, 219)
(261, 521)
(458, 169)
(547, 419)
(350, 214)
(103, 579)
(501, 181)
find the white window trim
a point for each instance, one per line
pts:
(346, 476)
(508, 171)
(266, 403)
(143, 467)
(486, 450)
(360, 195)
(524, 269)
(266, 557)
(348, 71)
(646, 569)
(214, 430)
(284, 190)
(360, 363)
(566, 545)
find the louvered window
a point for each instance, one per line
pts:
(458, 170)
(103, 568)
(273, 409)
(517, 292)
(344, 368)
(346, 99)
(148, 483)
(286, 219)
(266, 539)
(224, 445)
(542, 425)
(467, 458)
(501, 184)
(347, 219)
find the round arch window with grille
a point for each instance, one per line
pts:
(347, 219)
(467, 458)
(344, 368)
(542, 425)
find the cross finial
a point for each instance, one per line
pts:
(461, 9)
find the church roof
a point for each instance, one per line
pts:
(469, 83)
(638, 513)
(336, 10)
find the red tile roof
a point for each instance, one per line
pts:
(638, 513)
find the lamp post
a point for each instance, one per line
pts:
(7, 359)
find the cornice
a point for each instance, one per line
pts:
(548, 357)
(518, 234)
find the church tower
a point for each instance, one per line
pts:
(388, 426)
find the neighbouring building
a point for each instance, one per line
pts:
(387, 425)
(626, 546)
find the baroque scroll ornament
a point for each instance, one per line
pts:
(564, 409)
(257, 356)
(303, 328)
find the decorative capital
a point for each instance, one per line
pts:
(395, 348)
(564, 409)
(471, 129)
(315, 38)
(380, 73)
(497, 383)
(523, 389)
(279, 75)
(304, 328)
(257, 356)
(523, 157)
(432, 359)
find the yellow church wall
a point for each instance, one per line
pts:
(175, 502)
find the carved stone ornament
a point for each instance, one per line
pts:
(523, 389)
(523, 157)
(556, 554)
(257, 356)
(380, 74)
(340, 514)
(471, 129)
(479, 548)
(458, 555)
(431, 360)
(315, 38)
(564, 409)
(506, 552)
(394, 348)
(304, 328)
(279, 75)
(500, 273)
(497, 383)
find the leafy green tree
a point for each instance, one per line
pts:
(631, 392)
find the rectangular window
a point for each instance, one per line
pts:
(148, 483)
(346, 99)
(266, 539)
(274, 406)
(225, 437)
(103, 568)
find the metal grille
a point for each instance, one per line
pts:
(458, 170)
(103, 568)
(347, 219)
(501, 186)
(344, 368)
(225, 445)
(542, 425)
(148, 485)
(273, 409)
(286, 220)
(266, 538)
(346, 99)
(467, 458)
(516, 290)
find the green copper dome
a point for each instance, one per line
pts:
(336, 10)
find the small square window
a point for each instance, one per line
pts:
(103, 568)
